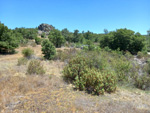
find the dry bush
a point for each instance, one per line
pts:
(22, 61)
(35, 67)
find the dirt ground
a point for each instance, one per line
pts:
(23, 93)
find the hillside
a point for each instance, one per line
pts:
(21, 92)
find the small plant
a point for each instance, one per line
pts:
(140, 55)
(27, 52)
(22, 61)
(142, 82)
(35, 67)
(48, 49)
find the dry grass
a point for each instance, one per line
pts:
(21, 93)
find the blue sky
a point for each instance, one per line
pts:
(93, 15)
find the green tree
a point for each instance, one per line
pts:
(124, 39)
(148, 32)
(27, 33)
(76, 36)
(88, 35)
(106, 31)
(48, 49)
(8, 39)
(67, 35)
(56, 38)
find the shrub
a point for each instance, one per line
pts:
(22, 61)
(142, 82)
(92, 81)
(78, 71)
(48, 49)
(110, 81)
(27, 52)
(76, 67)
(122, 68)
(140, 55)
(128, 55)
(38, 41)
(66, 54)
(35, 67)
(43, 35)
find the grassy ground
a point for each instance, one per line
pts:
(22, 93)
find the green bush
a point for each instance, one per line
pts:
(27, 52)
(76, 67)
(35, 67)
(22, 61)
(142, 82)
(38, 41)
(48, 49)
(84, 77)
(140, 55)
(122, 68)
(43, 35)
(92, 81)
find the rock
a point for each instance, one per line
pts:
(45, 27)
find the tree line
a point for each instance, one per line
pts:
(121, 39)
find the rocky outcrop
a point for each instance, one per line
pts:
(45, 27)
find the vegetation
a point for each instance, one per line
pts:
(82, 73)
(22, 61)
(38, 41)
(48, 49)
(56, 38)
(124, 40)
(9, 40)
(94, 63)
(27, 52)
(27, 33)
(43, 35)
(35, 67)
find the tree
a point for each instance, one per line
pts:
(27, 33)
(106, 31)
(9, 40)
(123, 39)
(76, 36)
(148, 32)
(67, 35)
(88, 35)
(56, 38)
(48, 49)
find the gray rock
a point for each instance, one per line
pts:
(45, 27)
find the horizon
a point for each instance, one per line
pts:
(94, 16)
